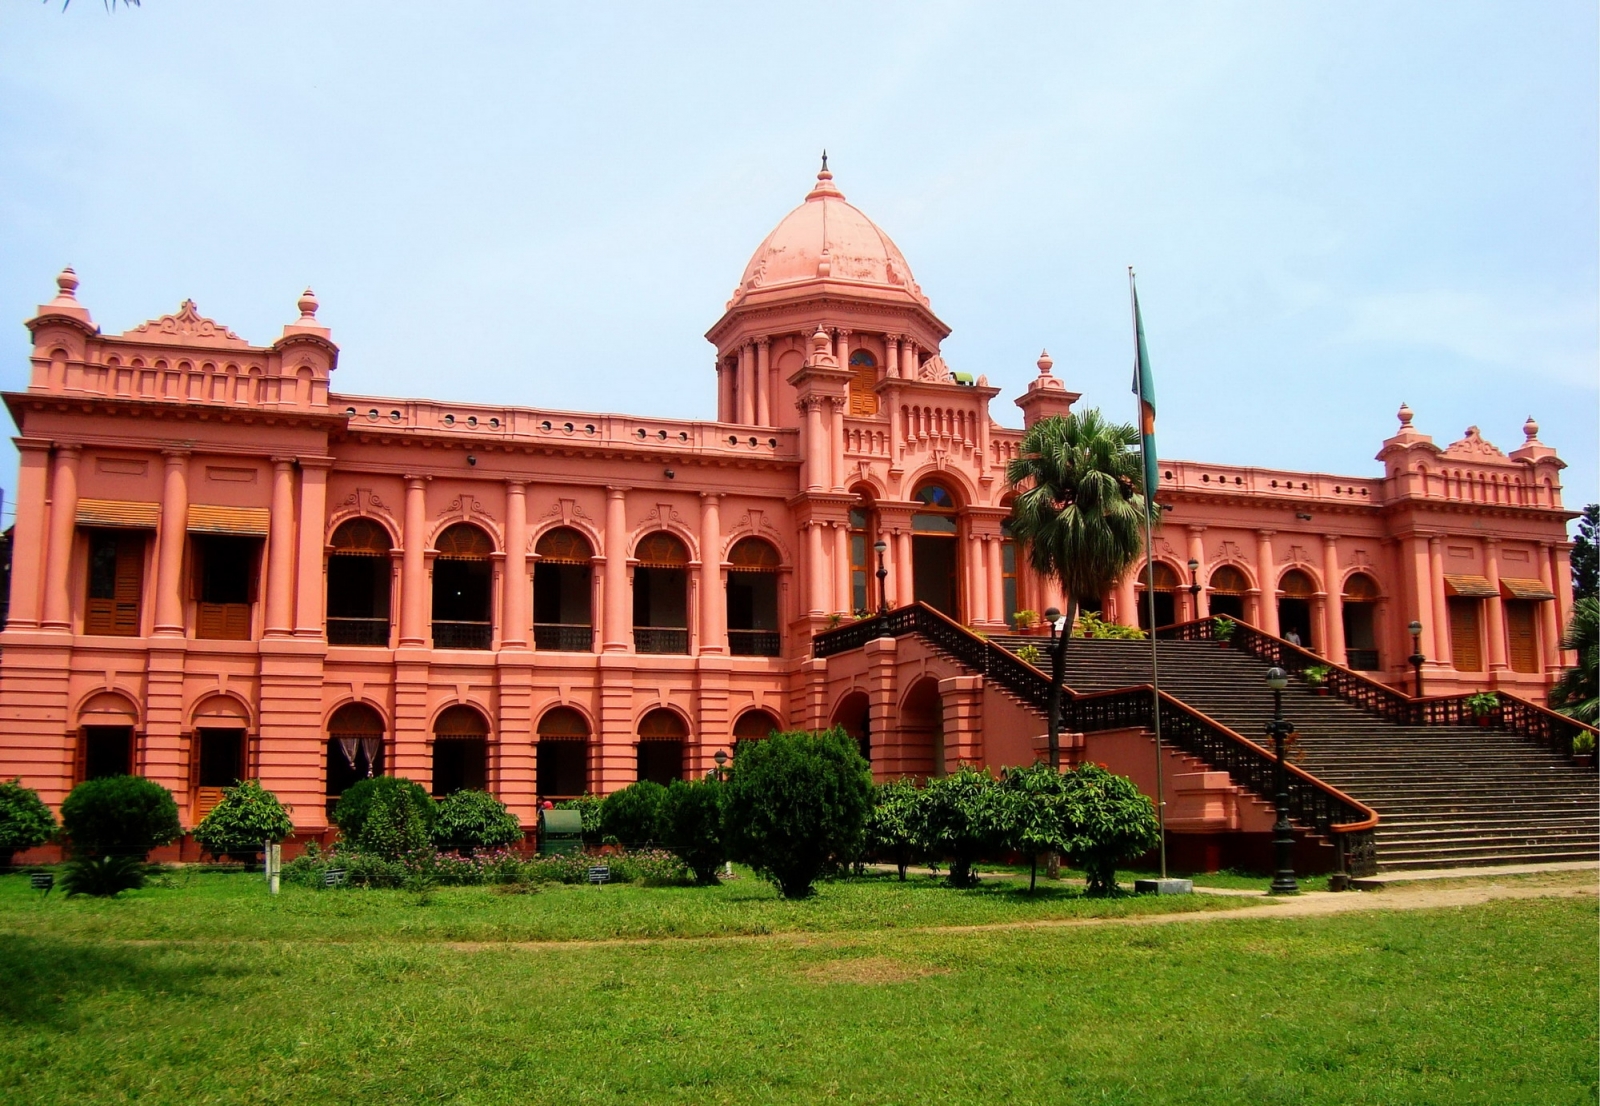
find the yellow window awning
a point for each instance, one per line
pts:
(1469, 587)
(242, 521)
(1513, 587)
(118, 512)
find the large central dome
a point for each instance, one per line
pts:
(827, 239)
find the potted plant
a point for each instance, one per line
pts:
(1029, 654)
(1484, 705)
(1317, 677)
(1222, 628)
(1023, 620)
(1583, 749)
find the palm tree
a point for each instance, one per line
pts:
(1079, 512)
(1576, 694)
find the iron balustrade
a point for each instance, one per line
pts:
(563, 637)
(660, 639)
(1514, 714)
(1347, 822)
(463, 635)
(1364, 660)
(755, 643)
(358, 631)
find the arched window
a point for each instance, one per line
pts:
(1360, 633)
(661, 595)
(661, 737)
(1166, 595)
(935, 552)
(355, 749)
(460, 751)
(755, 725)
(1228, 590)
(462, 586)
(1294, 607)
(562, 586)
(359, 573)
(563, 757)
(863, 383)
(753, 599)
(854, 714)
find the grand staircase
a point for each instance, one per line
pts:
(1447, 795)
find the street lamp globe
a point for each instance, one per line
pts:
(1277, 679)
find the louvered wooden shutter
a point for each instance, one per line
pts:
(1465, 651)
(80, 757)
(118, 613)
(1520, 632)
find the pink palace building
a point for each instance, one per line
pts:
(223, 568)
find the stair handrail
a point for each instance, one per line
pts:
(1515, 715)
(1312, 801)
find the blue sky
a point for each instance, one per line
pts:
(1332, 207)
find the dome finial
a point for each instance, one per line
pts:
(1045, 362)
(1405, 416)
(824, 167)
(1530, 430)
(308, 306)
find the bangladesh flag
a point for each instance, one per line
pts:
(1145, 388)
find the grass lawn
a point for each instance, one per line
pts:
(207, 991)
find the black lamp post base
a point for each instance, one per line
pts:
(1284, 884)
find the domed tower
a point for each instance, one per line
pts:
(825, 266)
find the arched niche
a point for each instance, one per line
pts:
(752, 597)
(662, 735)
(1229, 587)
(460, 750)
(563, 587)
(562, 762)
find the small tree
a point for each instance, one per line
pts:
(245, 819)
(892, 825)
(1034, 821)
(1586, 555)
(385, 815)
(112, 824)
(959, 818)
(470, 820)
(24, 820)
(691, 826)
(1577, 693)
(796, 805)
(633, 815)
(1108, 820)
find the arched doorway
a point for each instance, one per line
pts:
(661, 736)
(753, 599)
(105, 745)
(1228, 590)
(661, 595)
(462, 586)
(562, 585)
(936, 550)
(1294, 606)
(1166, 593)
(562, 761)
(355, 749)
(460, 751)
(854, 714)
(1360, 604)
(359, 573)
(755, 725)
(922, 730)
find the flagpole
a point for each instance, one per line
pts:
(1150, 578)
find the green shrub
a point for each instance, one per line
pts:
(1029, 654)
(959, 817)
(24, 820)
(102, 876)
(1317, 674)
(1223, 627)
(632, 817)
(394, 830)
(1483, 703)
(119, 816)
(691, 826)
(796, 805)
(1091, 625)
(1583, 742)
(472, 820)
(1032, 811)
(892, 825)
(588, 808)
(247, 816)
(1108, 820)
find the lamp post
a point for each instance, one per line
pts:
(1282, 832)
(1416, 658)
(721, 757)
(880, 547)
(1194, 585)
(1058, 648)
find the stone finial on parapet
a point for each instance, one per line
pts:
(1046, 394)
(1532, 449)
(66, 304)
(309, 345)
(307, 323)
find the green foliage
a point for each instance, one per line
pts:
(1586, 555)
(1033, 812)
(632, 817)
(1223, 627)
(472, 820)
(119, 816)
(588, 808)
(961, 817)
(1583, 742)
(1483, 703)
(371, 815)
(1091, 625)
(691, 826)
(892, 832)
(423, 870)
(1316, 674)
(1577, 693)
(1108, 820)
(1029, 654)
(247, 816)
(24, 820)
(1024, 618)
(797, 805)
(102, 876)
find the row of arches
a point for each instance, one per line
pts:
(361, 581)
(919, 747)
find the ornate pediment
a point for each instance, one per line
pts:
(187, 327)
(1474, 445)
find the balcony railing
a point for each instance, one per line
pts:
(358, 631)
(462, 635)
(659, 639)
(755, 643)
(563, 637)
(1364, 660)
